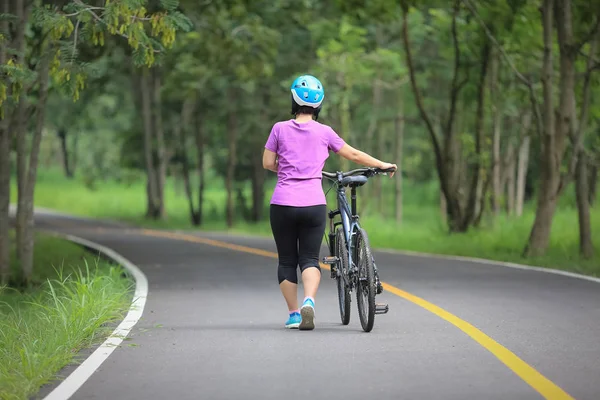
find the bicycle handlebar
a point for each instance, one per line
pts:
(364, 171)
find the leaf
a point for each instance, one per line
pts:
(169, 5)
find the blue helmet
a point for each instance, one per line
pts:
(307, 91)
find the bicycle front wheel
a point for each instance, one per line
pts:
(365, 285)
(342, 275)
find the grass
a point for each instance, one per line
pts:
(422, 229)
(70, 308)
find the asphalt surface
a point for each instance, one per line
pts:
(213, 329)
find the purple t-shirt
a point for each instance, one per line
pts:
(302, 149)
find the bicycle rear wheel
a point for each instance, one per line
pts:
(365, 285)
(342, 271)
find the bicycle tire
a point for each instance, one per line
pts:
(342, 268)
(365, 283)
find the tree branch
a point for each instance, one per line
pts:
(75, 40)
(419, 100)
(462, 83)
(97, 18)
(90, 9)
(588, 37)
(456, 87)
(81, 11)
(587, 56)
(520, 76)
(475, 166)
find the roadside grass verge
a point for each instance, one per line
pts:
(422, 229)
(75, 299)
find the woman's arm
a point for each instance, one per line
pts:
(270, 160)
(362, 158)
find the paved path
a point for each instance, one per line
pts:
(213, 329)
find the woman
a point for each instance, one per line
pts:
(296, 150)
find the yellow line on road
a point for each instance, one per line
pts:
(210, 242)
(544, 386)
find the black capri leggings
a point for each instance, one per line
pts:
(298, 233)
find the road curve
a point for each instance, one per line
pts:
(212, 328)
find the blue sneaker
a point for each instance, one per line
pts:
(308, 315)
(293, 321)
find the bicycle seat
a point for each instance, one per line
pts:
(354, 181)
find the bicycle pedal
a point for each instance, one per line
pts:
(330, 260)
(381, 308)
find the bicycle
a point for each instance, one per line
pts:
(350, 258)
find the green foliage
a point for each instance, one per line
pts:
(41, 332)
(148, 35)
(42, 329)
(236, 59)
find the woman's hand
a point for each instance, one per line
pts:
(385, 165)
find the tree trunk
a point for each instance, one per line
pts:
(539, 236)
(74, 153)
(151, 179)
(443, 206)
(593, 183)
(186, 122)
(370, 145)
(62, 136)
(378, 184)
(496, 125)
(26, 247)
(482, 201)
(259, 174)
(496, 165)
(582, 183)
(258, 189)
(372, 128)
(160, 145)
(452, 153)
(510, 180)
(180, 131)
(22, 13)
(586, 247)
(4, 172)
(475, 166)
(241, 202)
(4, 201)
(446, 164)
(398, 156)
(345, 122)
(232, 159)
(200, 168)
(522, 174)
(479, 194)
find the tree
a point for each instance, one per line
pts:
(557, 127)
(5, 139)
(461, 211)
(58, 26)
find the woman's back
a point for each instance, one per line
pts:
(302, 149)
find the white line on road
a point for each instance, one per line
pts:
(490, 262)
(78, 377)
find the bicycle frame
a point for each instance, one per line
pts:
(349, 222)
